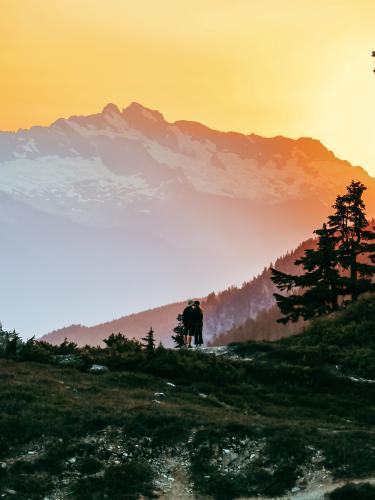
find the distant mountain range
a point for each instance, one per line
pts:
(121, 211)
(236, 314)
(225, 313)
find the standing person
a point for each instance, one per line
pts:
(187, 321)
(197, 323)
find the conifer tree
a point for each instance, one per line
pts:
(355, 240)
(179, 331)
(160, 347)
(149, 340)
(318, 288)
(342, 265)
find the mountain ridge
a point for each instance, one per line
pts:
(150, 211)
(224, 311)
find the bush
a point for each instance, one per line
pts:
(163, 428)
(27, 480)
(350, 454)
(130, 481)
(89, 465)
(33, 350)
(364, 491)
(119, 343)
(65, 347)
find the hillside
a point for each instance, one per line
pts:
(263, 327)
(223, 311)
(235, 314)
(122, 211)
(281, 421)
(162, 319)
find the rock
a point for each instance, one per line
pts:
(98, 369)
(159, 395)
(202, 395)
(68, 360)
(72, 460)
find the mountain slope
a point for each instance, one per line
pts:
(150, 212)
(289, 419)
(223, 311)
(236, 314)
(162, 319)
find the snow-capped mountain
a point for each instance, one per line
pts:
(119, 211)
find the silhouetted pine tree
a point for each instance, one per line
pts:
(179, 331)
(12, 342)
(317, 288)
(342, 265)
(149, 340)
(354, 239)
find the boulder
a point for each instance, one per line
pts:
(98, 369)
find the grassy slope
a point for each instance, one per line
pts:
(236, 428)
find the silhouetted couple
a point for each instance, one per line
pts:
(192, 319)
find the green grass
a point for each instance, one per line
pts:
(289, 408)
(254, 431)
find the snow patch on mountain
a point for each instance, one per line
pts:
(52, 182)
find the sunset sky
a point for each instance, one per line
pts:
(289, 67)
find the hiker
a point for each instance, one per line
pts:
(187, 321)
(197, 323)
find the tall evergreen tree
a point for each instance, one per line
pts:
(149, 340)
(355, 240)
(317, 289)
(342, 265)
(179, 331)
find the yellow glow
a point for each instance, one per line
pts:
(290, 67)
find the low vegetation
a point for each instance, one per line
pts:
(271, 417)
(364, 491)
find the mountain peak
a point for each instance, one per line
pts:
(110, 108)
(136, 111)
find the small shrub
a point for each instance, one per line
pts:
(119, 343)
(364, 491)
(33, 350)
(66, 347)
(350, 454)
(89, 465)
(27, 482)
(130, 481)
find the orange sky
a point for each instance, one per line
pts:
(291, 67)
